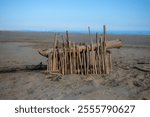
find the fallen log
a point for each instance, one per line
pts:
(109, 45)
(143, 68)
(23, 68)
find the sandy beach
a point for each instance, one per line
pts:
(130, 78)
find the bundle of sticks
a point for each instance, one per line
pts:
(73, 58)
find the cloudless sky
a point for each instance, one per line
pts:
(130, 15)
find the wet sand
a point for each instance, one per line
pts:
(125, 81)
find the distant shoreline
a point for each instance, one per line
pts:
(86, 32)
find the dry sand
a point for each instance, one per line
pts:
(125, 81)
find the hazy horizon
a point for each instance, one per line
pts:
(83, 32)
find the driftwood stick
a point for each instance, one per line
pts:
(90, 35)
(63, 41)
(110, 62)
(82, 68)
(74, 59)
(65, 60)
(102, 55)
(91, 55)
(80, 61)
(95, 67)
(54, 53)
(87, 60)
(84, 62)
(58, 56)
(67, 39)
(62, 65)
(92, 59)
(104, 51)
(77, 64)
(63, 56)
(95, 59)
(70, 58)
(48, 65)
(98, 56)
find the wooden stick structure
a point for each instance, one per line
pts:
(73, 58)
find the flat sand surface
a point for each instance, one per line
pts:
(125, 81)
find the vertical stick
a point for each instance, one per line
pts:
(110, 62)
(67, 53)
(95, 57)
(74, 59)
(48, 63)
(58, 56)
(63, 56)
(87, 59)
(62, 66)
(104, 50)
(65, 60)
(102, 54)
(51, 61)
(84, 61)
(90, 35)
(80, 61)
(77, 63)
(63, 41)
(70, 57)
(92, 51)
(67, 39)
(107, 62)
(98, 55)
(92, 59)
(54, 53)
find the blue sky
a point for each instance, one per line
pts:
(44, 15)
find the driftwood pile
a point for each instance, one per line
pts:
(73, 58)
